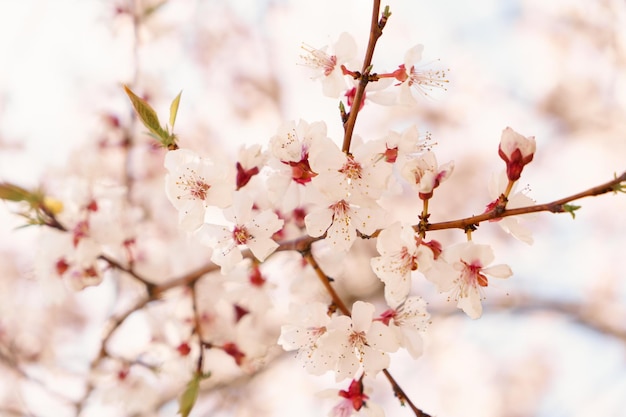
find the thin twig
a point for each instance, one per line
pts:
(556, 206)
(375, 32)
(325, 280)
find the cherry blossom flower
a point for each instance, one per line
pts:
(194, 183)
(398, 145)
(401, 253)
(309, 324)
(75, 261)
(511, 224)
(340, 219)
(249, 163)
(291, 148)
(359, 342)
(329, 66)
(362, 175)
(516, 150)
(353, 401)
(408, 319)
(424, 174)
(411, 78)
(467, 274)
(253, 230)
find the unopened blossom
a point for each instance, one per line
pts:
(328, 66)
(425, 174)
(194, 183)
(353, 401)
(401, 253)
(252, 229)
(466, 275)
(359, 342)
(408, 319)
(249, 163)
(510, 224)
(517, 151)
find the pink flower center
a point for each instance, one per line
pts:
(194, 185)
(357, 339)
(351, 169)
(473, 276)
(241, 235)
(340, 208)
(301, 171)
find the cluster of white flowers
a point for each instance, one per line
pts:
(303, 186)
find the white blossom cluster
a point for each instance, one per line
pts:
(304, 186)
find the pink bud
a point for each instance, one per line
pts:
(516, 150)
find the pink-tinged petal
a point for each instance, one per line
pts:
(362, 314)
(317, 222)
(412, 341)
(498, 271)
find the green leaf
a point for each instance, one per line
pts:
(174, 110)
(189, 397)
(146, 114)
(571, 208)
(12, 192)
(150, 10)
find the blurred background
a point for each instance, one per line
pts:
(552, 339)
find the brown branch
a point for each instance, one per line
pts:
(113, 324)
(376, 30)
(325, 280)
(557, 206)
(401, 395)
(114, 264)
(197, 328)
(337, 301)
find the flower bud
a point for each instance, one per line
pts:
(516, 150)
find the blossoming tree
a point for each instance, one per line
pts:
(236, 263)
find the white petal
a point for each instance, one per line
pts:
(317, 221)
(262, 248)
(382, 337)
(498, 271)
(471, 303)
(362, 314)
